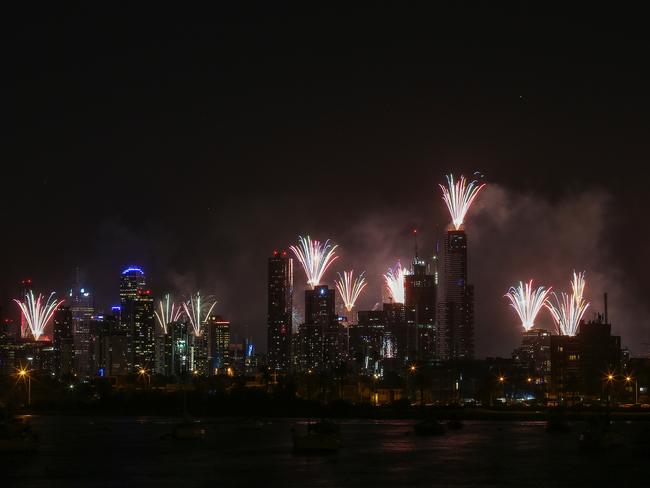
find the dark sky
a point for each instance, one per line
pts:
(194, 142)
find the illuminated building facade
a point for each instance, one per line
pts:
(320, 336)
(280, 308)
(217, 338)
(137, 318)
(26, 286)
(456, 310)
(420, 307)
(63, 342)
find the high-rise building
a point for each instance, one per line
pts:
(535, 354)
(582, 364)
(26, 287)
(320, 335)
(217, 340)
(456, 310)
(420, 305)
(280, 308)
(81, 305)
(110, 346)
(181, 335)
(366, 339)
(63, 342)
(137, 318)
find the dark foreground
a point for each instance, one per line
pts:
(128, 451)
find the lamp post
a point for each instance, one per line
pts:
(502, 380)
(628, 380)
(145, 377)
(25, 376)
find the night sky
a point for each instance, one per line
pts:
(195, 142)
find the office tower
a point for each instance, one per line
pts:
(280, 308)
(82, 308)
(456, 311)
(110, 346)
(26, 287)
(420, 306)
(179, 335)
(581, 364)
(217, 339)
(63, 342)
(535, 354)
(320, 337)
(366, 339)
(137, 318)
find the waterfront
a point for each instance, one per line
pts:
(135, 451)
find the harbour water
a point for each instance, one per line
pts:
(138, 452)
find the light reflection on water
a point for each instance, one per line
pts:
(106, 451)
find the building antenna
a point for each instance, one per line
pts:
(415, 238)
(606, 314)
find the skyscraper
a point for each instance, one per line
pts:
(63, 342)
(320, 335)
(26, 287)
(456, 311)
(81, 306)
(137, 319)
(280, 307)
(420, 304)
(217, 338)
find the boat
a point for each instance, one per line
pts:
(323, 436)
(429, 427)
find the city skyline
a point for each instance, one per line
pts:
(225, 132)
(455, 228)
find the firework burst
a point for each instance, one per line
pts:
(315, 258)
(394, 280)
(459, 196)
(568, 310)
(350, 288)
(169, 312)
(38, 313)
(527, 302)
(198, 311)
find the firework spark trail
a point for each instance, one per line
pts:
(315, 258)
(459, 197)
(568, 310)
(195, 310)
(169, 312)
(394, 280)
(36, 313)
(350, 288)
(527, 302)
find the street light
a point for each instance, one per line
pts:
(628, 379)
(145, 377)
(23, 374)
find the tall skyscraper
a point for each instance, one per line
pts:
(280, 308)
(217, 339)
(81, 305)
(26, 287)
(320, 335)
(137, 319)
(420, 304)
(456, 311)
(63, 342)
(110, 346)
